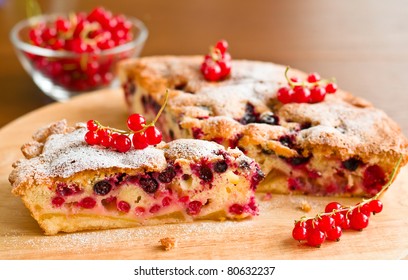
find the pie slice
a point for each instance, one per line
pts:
(341, 146)
(70, 186)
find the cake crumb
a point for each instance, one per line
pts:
(168, 243)
(305, 206)
(267, 197)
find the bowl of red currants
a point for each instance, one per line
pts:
(68, 55)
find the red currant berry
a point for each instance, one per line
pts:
(135, 122)
(338, 218)
(331, 88)
(222, 45)
(153, 135)
(225, 66)
(122, 143)
(313, 77)
(358, 220)
(346, 223)
(332, 206)
(334, 233)
(365, 209)
(317, 94)
(299, 233)
(139, 141)
(315, 237)
(312, 223)
(107, 141)
(123, 206)
(375, 206)
(92, 138)
(285, 95)
(212, 72)
(326, 222)
(103, 133)
(301, 95)
(92, 125)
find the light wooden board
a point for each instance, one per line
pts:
(267, 236)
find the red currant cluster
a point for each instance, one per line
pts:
(142, 134)
(81, 33)
(336, 218)
(217, 64)
(311, 91)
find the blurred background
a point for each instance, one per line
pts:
(362, 43)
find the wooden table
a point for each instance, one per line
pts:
(364, 44)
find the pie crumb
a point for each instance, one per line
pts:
(305, 206)
(168, 243)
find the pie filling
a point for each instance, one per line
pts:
(311, 174)
(183, 191)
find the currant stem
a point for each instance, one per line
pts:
(294, 84)
(365, 201)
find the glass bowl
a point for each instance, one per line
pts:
(62, 74)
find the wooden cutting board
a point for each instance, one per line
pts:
(267, 236)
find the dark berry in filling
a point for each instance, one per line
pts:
(269, 118)
(351, 164)
(148, 184)
(64, 189)
(102, 187)
(167, 175)
(233, 143)
(296, 161)
(171, 134)
(250, 115)
(305, 125)
(205, 174)
(220, 166)
(186, 177)
(256, 178)
(374, 178)
(287, 140)
(197, 133)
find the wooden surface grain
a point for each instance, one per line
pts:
(362, 43)
(267, 236)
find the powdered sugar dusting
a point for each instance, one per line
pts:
(192, 149)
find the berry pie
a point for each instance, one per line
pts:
(308, 142)
(70, 186)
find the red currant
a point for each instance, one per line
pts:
(139, 141)
(136, 122)
(222, 45)
(225, 66)
(338, 218)
(331, 88)
(332, 206)
(315, 237)
(153, 135)
(92, 125)
(212, 72)
(107, 141)
(299, 233)
(122, 143)
(326, 222)
(375, 206)
(301, 95)
(92, 138)
(317, 94)
(313, 77)
(358, 220)
(334, 233)
(285, 95)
